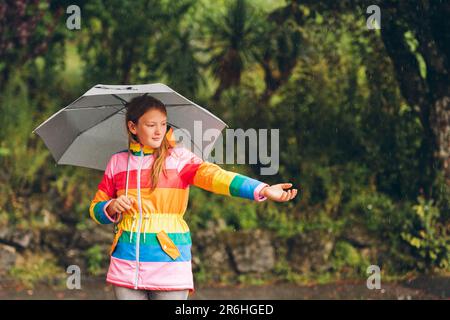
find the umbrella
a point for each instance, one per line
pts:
(90, 129)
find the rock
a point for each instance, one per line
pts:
(251, 251)
(358, 236)
(57, 240)
(101, 235)
(208, 246)
(18, 238)
(8, 258)
(310, 251)
(22, 238)
(216, 257)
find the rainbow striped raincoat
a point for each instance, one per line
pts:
(152, 246)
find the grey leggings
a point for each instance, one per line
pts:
(123, 293)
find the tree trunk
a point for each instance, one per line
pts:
(440, 123)
(429, 94)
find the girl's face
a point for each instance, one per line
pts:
(151, 128)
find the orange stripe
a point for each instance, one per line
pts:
(162, 200)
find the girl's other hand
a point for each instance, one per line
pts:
(276, 192)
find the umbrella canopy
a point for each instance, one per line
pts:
(89, 130)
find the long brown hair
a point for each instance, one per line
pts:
(135, 109)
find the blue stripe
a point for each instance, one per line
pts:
(99, 214)
(248, 187)
(149, 253)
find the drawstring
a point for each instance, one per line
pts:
(126, 193)
(146, 217)
(120, 214)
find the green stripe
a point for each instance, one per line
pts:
(236, 184)
(138, 153)
(150, 238)
(99, 214)
(135, 153)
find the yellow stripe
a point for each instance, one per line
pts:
(162, 200)
(155, 223)
(100, 195)
(91, 212)
(222, 181)
(211, 177)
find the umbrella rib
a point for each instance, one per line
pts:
(96, 107)
(121, 100)
(109, 116)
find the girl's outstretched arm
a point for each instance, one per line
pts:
(209, 176)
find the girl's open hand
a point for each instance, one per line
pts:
(277, 192)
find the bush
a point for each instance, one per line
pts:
(428, 237)
(345, 257)
(32, 269)
(95, 259)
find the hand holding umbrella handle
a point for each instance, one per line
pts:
(117, 207)
(120, 204)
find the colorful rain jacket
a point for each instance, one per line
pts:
(152, 248)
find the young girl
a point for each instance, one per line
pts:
(145, 191)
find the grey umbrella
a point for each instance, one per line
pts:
(90, 129)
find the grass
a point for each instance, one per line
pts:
(32, 269)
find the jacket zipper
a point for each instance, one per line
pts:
(138, 238)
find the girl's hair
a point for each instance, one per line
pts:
(135, 109)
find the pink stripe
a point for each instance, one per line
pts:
(172, 161)
(186, 157)
(120, 284)
(152, 275)
(172, 180)
(106, 213)
(256, 194)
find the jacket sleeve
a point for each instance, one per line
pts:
(209, 176)
(104, 195)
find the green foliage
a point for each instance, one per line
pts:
(376, 211)
(15, 137)
(95, 257)
(428, 236)
(36, 268)
(345, 257)
(348, 139)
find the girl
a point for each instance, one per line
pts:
(145, 191)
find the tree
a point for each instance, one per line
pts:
(27, 29)
(120, 38)
(232, 43)
(425, 23)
